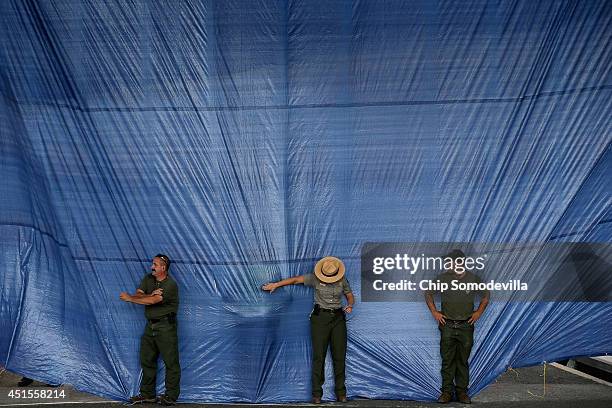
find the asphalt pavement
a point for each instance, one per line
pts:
(517, 388)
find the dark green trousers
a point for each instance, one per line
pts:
(328, 329)
(160, 338)
(456, 342)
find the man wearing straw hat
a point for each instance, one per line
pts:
(327, 321)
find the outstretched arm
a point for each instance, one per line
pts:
(272, 286)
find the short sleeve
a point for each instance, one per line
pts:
(310, 280)
(346, 288)
(143, 284)
(439, 278)
(170, 294)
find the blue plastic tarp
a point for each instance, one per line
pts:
(247, 139)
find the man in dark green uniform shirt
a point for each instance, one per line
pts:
(159, 293)
(456, 324)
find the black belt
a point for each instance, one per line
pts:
(456, 324)
(317, 307)
(169, 318)
(456, 321)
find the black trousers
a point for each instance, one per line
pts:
(327, 328)
(456, 342)
(160, 338)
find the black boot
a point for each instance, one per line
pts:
(25, 381)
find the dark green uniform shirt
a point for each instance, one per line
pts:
(170, 296)
(459, 304)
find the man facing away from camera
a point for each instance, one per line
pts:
(158, 292)
(456, 324)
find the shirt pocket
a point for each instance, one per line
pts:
(333, 293)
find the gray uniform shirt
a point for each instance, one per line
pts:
(327, 295)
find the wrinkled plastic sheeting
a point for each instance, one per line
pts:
(247, 139)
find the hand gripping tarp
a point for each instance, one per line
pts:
(247, 139)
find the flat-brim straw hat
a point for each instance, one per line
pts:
(329, 269)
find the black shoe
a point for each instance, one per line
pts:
(24, 382)
(139, 399)
(446, 397)
(342, 399)
(316, 400)
(166, 401)
(463, 398)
